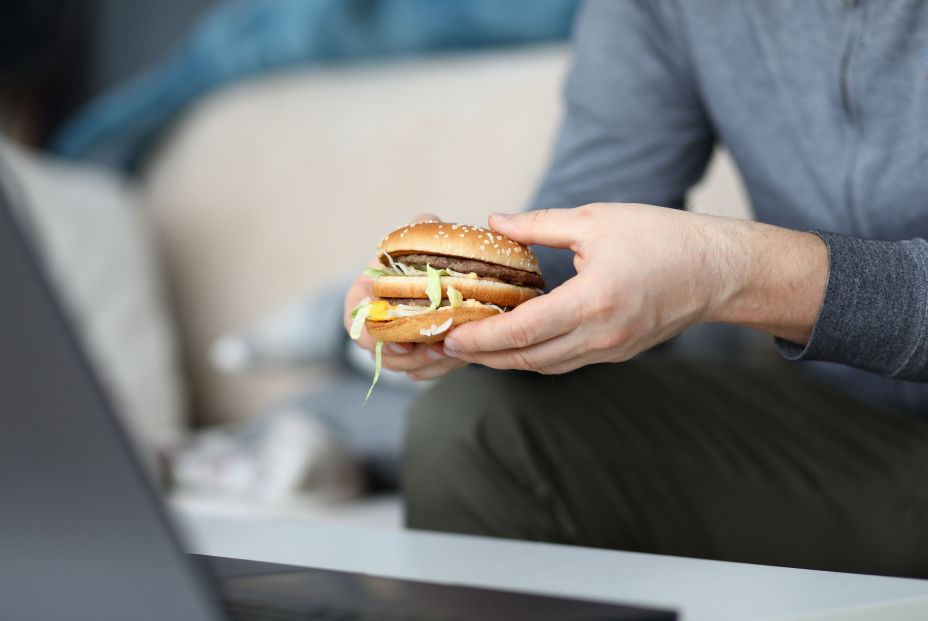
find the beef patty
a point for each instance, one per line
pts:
(421, 301)
(412, 301)
(466, 266)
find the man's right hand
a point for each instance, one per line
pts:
(419, 361)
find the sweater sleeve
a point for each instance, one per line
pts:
(875, 312)
(634, 128)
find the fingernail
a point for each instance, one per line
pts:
(434, 354)
(500, 216)
(451, 349)
(397, 348)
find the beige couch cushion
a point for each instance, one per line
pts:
(273, 187)
(96, 245)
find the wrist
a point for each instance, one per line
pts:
(777, 279)
(727, 268)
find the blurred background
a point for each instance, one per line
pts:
(204, 177)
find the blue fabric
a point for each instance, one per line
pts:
(247, 37)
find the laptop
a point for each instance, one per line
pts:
(84, 534)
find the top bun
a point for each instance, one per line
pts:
(459, 240)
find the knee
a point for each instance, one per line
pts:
(455, 478)
(443, 447)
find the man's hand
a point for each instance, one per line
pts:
(419, 361)
(644, 274)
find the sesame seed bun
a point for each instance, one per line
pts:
(459, 240)
(486, 291)
(406, 329)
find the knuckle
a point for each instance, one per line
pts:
(537, 215)
(518, 335)
(589, 210)
(392, 364)
(522, 361)
(423, 216)
(604, 341)
(401, 363)
(599, 307)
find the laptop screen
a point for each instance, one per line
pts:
(82, 533)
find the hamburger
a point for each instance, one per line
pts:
(437, 275)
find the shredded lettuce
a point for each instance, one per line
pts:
(396, 268)
(360, 317)
(377, 364)
(433, 286)
(450, 272)
(434, 330)
(455, 297)
(408, 270)
(410, 310)
(361, 304)
(391, 261)
(374, 273)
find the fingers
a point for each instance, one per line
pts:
(558, 228)
(437, 369)
(422, 217)
(416, 358)
(543, 357)
(535, 321)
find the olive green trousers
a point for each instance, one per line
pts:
(759, 464)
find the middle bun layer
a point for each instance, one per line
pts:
(487, 291)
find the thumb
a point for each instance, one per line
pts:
(556, 228)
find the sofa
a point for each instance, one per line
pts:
(281, 185)
(278, 185)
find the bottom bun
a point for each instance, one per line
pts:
(407, 329)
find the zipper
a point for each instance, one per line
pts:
(847, 106)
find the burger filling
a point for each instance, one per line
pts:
(470, 266)
(423, 302)
(433, 267)
(387, 309)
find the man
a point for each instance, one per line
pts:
(824, 107)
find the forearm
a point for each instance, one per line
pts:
(770, 278)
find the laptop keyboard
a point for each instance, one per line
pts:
(261, 610)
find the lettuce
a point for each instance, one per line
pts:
(362, 303)
(455, 297)
(374, 273)
(407, 270)
(434, 330)
(391, 261)
(433, 286)
(377, 364)
(409, 310)
(450, 272)
(396, 269)
(360, 316)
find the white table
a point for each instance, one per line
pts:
(701, 590)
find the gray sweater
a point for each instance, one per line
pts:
(823, 105)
